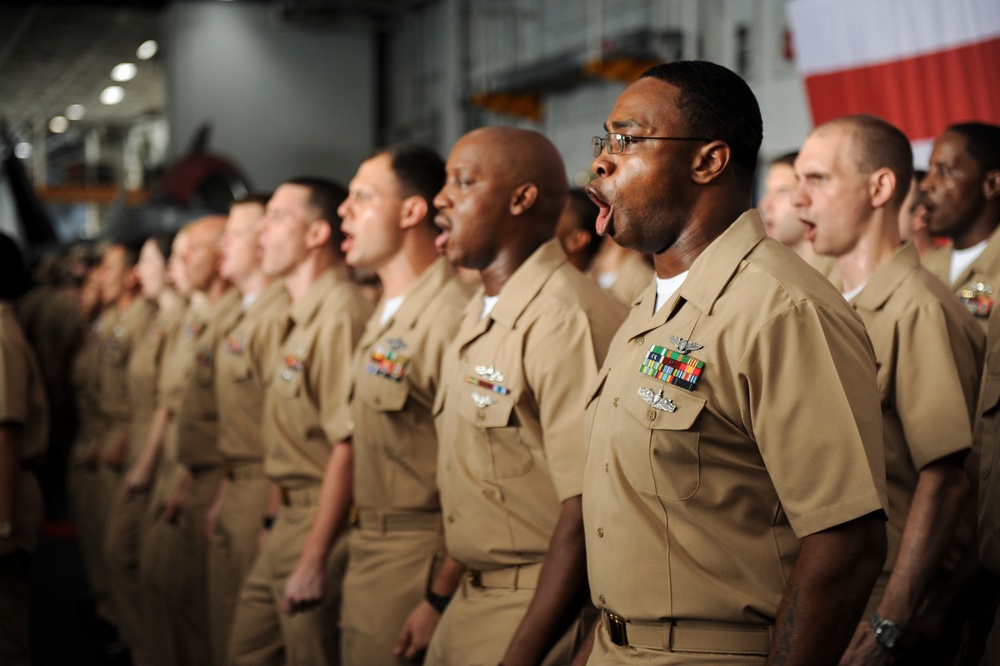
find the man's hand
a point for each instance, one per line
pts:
(173, 506)
(138, 478)
(212, 515)
(417, 631)
(114, 457)
(864, 650)
(304, 588)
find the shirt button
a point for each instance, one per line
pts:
(601, 599)
(639, 340)
(600, 532)
(451, 519)
(615, 402)
(378, 401)
(286, 375)
(481, 416)
(605, 467)
(651, 415)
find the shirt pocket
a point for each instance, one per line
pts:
(659, 448)
(288, 383)
(498, 452)
(989, 430)
(388, 399)
(238, 370)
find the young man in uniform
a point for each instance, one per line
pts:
(734, 492)
(289, 605)
(508, 413)
(854, 174)
(576, 232)
(190, 442)
(395, 583)
(233, 522)
(962, 196)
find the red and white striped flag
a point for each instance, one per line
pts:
(920, 64)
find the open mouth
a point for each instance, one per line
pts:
(441, 240)
(604, 216)
(810, 233)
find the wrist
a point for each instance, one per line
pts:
(886, 631)
(437, 601)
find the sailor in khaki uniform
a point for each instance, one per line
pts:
(962, 196)
(735, 485)
(175, 540)
(289, 605)
(395, 586)
(987, 434)
(854, 173)
(509, 411)
(24, 431)
(235, 519)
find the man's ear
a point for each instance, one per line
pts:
(991, 185)
(881, 186)
(318, 233)
(576, 241)
(412, 212)
(710, 161)
(523, 198)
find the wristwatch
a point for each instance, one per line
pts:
(6, 529)
(886, 631)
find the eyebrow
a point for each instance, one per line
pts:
(622, 124)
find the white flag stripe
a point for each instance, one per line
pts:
(833, 35)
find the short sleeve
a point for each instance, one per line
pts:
(811, 403)
(13, 382)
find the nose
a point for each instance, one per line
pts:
(441, 199)
(343, 208)
(799, 197)
(603, 164)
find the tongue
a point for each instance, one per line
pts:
(603, 218)
(441, 240)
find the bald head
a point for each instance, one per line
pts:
(520, 156)
(876, 144)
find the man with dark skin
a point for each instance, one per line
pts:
(962, 198)
(713, 536)
(508, 411)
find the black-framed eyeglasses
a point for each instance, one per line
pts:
(616, 142)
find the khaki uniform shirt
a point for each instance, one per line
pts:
(23, 403)
(126, 330)
(987, 437)
(239, 389)
(634, 276)
(979, 285)
(86, 380)
(143, 373)
(306, 404)
(509, 414)
(707, 465)
(187, 387)
(928, 354)
(397, 371)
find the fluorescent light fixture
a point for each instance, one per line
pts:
(58, 125)
(23, 150)
(147, 49)
(112, 95)
(76, 111)
(125, 71)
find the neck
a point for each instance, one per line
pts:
(298, 281)
(126, 300)
(879, 242)
(804, 249)
(253, 284)
(507, 261)
(216, 290)
(403, 270)
(701, 230)
(167, 299)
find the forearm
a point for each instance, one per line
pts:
(827, 592)
(334, 504)
(562, 587)
(154, 440)
(448, 578)
(941, 489)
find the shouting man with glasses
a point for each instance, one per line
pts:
(734, 491)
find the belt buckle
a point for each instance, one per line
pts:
(355, 517)
(475, 578)
(616, 629)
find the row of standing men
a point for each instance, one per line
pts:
(732, 469)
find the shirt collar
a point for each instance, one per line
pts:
(887, 279)
(526, 282)
(303, 312)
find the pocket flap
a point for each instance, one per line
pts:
(486, 411)
(381, 394)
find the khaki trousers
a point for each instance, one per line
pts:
(90, 493)
(479, 623)
(605, 652)
(388, 575)
(121, 549)
(14, 609)
(232, 551)
(173, 567)
(261, 633)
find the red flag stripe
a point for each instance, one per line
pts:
(921, 95)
